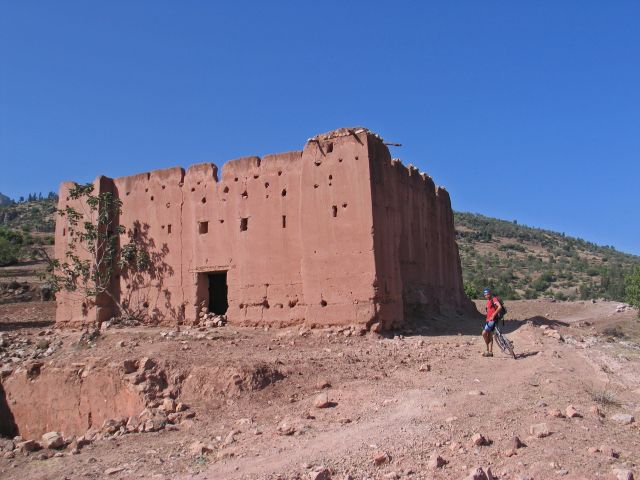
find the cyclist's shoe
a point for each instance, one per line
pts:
(487, 354)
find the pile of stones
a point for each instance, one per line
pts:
(210, 319)
(52, 444)
(16, 349)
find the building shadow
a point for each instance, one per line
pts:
(12, 326)
(8, 427)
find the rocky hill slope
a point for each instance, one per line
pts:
(35, 215)
(524, 262)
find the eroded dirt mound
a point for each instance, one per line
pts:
(205, 383)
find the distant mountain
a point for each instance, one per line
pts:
(524, 262)
(4, 200)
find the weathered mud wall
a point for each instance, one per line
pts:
(72, 306)
(417, 262)
(335, 234)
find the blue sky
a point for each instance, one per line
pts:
(523, 110)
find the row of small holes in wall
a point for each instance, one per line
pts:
(146, 190)
(203, 227)
(245, 194)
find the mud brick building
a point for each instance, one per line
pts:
(338, 233)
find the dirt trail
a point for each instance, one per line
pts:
(411, 395)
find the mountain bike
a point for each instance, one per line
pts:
(503, 342)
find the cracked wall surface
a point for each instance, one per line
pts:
(334, 234)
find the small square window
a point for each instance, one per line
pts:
(203, 227)
(244, 224)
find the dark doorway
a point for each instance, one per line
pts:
(218, 293)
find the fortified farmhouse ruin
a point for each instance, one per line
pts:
(338, 233)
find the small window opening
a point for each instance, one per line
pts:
(128, 193)
(339, 160)
(146, 190)
(356, 157)
(218, 291)
(244, 224)
(64, 232)
(164, 186)
(315, 185)
(245, 194)
(193, 189)
(204, 200)
(329, 147)
(221, 221)
(344, 205)
(266, 184)
(279, 173)
(323, 303)
(334, 211)
(169, 228)
(235, 179)
(226, 190)
(152, 198)
(330, 177)
(284, 192)
(168, 204)
(284, 221)
(203, 227)
(256, 176)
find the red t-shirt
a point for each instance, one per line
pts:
(492, 305)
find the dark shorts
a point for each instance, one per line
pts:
(489, 326)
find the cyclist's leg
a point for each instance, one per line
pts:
(487, 334)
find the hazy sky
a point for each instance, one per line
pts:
(523, 110)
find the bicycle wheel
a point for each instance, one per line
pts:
(503, 342)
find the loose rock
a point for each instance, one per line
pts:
(52, 440)
(623, 418)
(436, 461)
(571, 412)
(322, 401)
(539, 430)
(380, 458)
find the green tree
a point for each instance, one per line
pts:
(632, 287)
(9, 252)
(471, 291)
(93, 256)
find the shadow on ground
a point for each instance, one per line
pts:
(12, 326)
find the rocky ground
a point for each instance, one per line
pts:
(244, 403)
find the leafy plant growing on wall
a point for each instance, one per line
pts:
(93, 254)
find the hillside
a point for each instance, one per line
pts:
(524, 262)
(516, 260)
(34, 215)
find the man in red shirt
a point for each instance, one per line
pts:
(493, 310)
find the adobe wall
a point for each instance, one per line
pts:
(306, 254)
(334, 234)
(417, 262)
